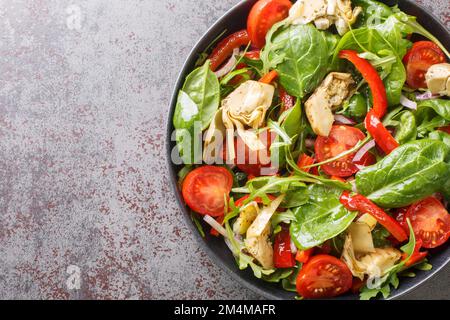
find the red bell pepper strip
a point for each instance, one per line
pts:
(287, 101)
(360, 203)
(380, 134)
(303, 256)
(253, 55)
(304, 161)
(370, 74)
(269, 77)
(445, 129)
(282, 256)
(417, 256)
(225, 48)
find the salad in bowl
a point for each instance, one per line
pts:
(316, 143)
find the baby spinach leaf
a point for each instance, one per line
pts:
(300, 54)
(441, 136)
(322, 218)
(432, 114)
(406, 128)
(373, 11)
(413, 171)
(198, 101)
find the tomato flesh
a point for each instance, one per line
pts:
(324, 276)
(264, 14)
(430, 222)
(419, 59)
(206, 188)
(282, 253)
(341, 139)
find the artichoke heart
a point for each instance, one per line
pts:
(324, 13)
(245, 108)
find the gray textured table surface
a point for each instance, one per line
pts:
(84, 94)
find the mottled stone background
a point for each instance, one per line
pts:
(84, 95)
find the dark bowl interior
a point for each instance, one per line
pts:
(235, 20)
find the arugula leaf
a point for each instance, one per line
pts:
(323, 217)
(432, 114)
(278, 275)
(300, 55)
(290, 127)
(412, 172)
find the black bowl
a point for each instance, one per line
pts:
(234, 20)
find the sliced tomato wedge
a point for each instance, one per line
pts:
(324, 276)
(341, 139)
(305, 161)
(419, 59)
(430, 222)
(206, 188)
(264, 14)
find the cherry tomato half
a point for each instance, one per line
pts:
(430, 222)
(341, 139)
(205, 189)
(324, 276)
(264, 14)
(419, 59)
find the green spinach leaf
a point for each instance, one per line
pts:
(322, 218)
(300, 54)
(413, 171)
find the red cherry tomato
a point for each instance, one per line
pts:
(323, 276)
(430, 222)
(341, 139)
(253, 162)
(205, 189)
(419, 59)
(264, 14)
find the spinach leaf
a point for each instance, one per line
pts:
(373, 11)
(290, 126)
(406, 128)
(413, 171)
(441, 136)
(197, 103)
(300, 55)
(432, 114)
(322, 218)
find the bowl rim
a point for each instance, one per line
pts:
(197, 48)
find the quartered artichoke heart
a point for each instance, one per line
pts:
(245, 108)
(362, 258)
(325, 13)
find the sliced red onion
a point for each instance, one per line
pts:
(426, 96)
(293, 247)
(404, 101)
(353, 183)
(309, 143)
(215, 225)
(228, 66)
(361, 152)
(340, 119)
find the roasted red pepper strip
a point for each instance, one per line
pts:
(370, 74)
(417, 256)
(445, 129)
(269, 77)
(380, 134)
(287, 101)
(303, 256)
(304, 161)
(360, 203)
(282, 255)
(225, 48)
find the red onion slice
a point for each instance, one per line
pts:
(228, 66)
(426, 96)
(340, 119)
(361, 152)
(309, 143)
(404, 101)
